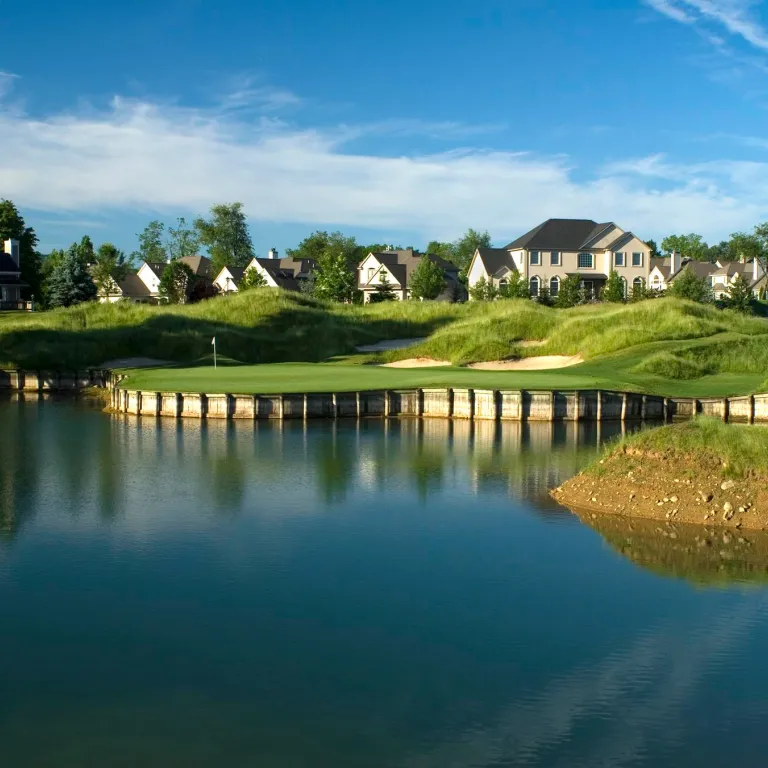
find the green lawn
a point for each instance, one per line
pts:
(335, 377)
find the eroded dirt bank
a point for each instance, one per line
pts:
(668, 487)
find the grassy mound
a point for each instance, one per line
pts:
(255, 327)
(670, 366)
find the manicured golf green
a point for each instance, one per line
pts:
(608, 373)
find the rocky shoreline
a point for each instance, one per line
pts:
(669, 488)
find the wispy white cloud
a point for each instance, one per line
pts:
(249, 91)
(671, 8)
(734, 16)
(138, 155)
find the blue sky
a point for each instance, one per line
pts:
(396, 122)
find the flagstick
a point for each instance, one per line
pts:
(214, 352)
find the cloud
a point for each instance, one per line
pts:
(733, 15)
(143, 156)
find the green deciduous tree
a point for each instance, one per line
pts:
(335, 279)
(443, 250)
(70, 281)
(176, 282)
(109, 267)
(516, 288)
(384, 292)
(614, 288)
(688, 286)
(427, 280)
(465, 247)
(252, 278)
(151, 245)
(740, 296)
(183, 240)
(225, 234)
(569, 294)
(13, 227)
(482, 290)
(691, 246)
(318, 243)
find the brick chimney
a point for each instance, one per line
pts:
(11, 247)
(273, 253)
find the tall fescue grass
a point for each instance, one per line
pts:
(741, 449)
(274, 326)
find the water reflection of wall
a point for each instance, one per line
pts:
(74, 458)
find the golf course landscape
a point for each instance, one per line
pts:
(273, 341)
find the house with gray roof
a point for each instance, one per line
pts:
(287, 273)
(720, 275)
(11, 283)
(559, 248)
(396, 268)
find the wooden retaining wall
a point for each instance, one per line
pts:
(471, 404)
(55, 381)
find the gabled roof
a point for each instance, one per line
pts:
(702, 269)
(236, 273)
(622, 240)
(496, 259)
(7, 264)
(200, 265)
(663, 264)
(403, 263)
(13, 280)
(157, 267)
(133, 286)
(560, 235)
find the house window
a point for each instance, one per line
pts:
(586, 261)
(588, 286)
(637, 284)
(371, 270)
(711, 281)
(618, 259)
(534, 286)
(637, 259)
(535, 258)
(554, 258)
(554, 286)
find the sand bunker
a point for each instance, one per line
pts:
(543, 363)
(417, 362)
(387, 344)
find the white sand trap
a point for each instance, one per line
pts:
(417, 362)
(387, 344)
(543, 363)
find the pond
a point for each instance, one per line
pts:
(355, 594)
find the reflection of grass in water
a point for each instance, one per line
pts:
(701, 555)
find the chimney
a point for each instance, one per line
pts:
(273, 253)
(12, 249)
(674, 263)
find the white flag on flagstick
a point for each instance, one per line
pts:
(213, 342)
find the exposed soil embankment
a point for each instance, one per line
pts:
(669, 486)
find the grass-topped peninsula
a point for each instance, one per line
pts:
(663, 346)
(702, 471)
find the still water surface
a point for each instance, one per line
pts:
(354, 595)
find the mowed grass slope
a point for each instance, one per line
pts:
(663, 346)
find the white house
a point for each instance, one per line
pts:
(396, 268)
(10, 277)
(287, 273)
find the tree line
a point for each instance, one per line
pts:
(82, 271)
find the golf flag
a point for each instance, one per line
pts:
(213, 341)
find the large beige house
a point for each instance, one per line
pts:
(558, 248)
(396, 268)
